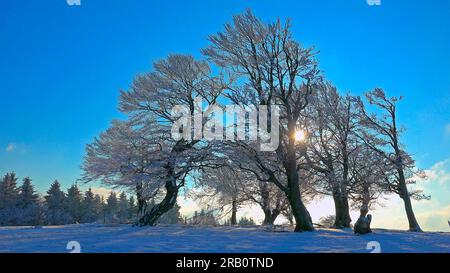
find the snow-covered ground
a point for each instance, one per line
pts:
(124, 238)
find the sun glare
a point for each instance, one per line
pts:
(300, 135)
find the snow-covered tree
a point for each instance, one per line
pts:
(91, 207)
(9, 198)
(332, 123)
(56, 208)
(140, 153)
(74, 203)
(9, 193)
(222, 189)
(203, 218)
(111, 208)
(132, 209)
(123, 208)
(244, 221)
(270, 68)
(383, 137)
(29, 204)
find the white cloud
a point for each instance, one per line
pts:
(103, 192)
(439, 172)
(436, 219)
(11, 147)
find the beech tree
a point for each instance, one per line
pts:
(270, 68)
(267, 196)
(385, 141)
(141, 151)
(220, 188)
(332, 123)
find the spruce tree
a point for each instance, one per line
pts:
(28, 204)
(132, 209)
(9, 197)
(90, 208)
(55, 200)
(74, 203)
(27, 195)
(123, 208)
(111, 208)
(9, 192)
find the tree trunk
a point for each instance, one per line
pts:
(268, 219)
(404, 194)
(142, 203)
(303, 221)
(233, 213)
(342, 216)
(266, 206)
(151, 217)
(412, 221)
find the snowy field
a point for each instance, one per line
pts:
(124, 238)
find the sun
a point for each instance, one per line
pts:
(300, 135)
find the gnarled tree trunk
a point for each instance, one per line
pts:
(151, 217)
(342, 216)
(303, 221)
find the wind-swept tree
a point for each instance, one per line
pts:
(385, 141)
(141, 152)
(270, 68)
(221, 188)
(332, 124)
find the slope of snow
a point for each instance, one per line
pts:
(124, 238)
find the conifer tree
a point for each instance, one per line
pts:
(123, 208)
(90, 207)
(55, 200)
(111, 208)
(74, 203)
(30, 211)
(9, 196)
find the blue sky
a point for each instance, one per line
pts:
(61, 66)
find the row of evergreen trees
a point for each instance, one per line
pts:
(21, 205)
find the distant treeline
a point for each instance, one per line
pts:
(23, 206)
